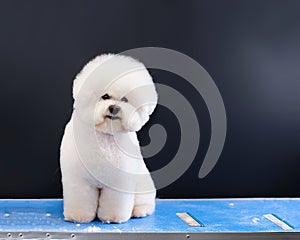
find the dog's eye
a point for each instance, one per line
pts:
(105, 96)
(124, 99)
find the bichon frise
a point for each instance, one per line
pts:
(103, 172)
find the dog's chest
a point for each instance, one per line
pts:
(107, 145)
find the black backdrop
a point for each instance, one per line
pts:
(250, 48)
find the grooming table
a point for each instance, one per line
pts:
(173, 219)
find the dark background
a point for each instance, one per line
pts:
(250, 48)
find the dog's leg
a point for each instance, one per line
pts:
(80, 201)
(115, 206)
(144, 202)
(80, 197)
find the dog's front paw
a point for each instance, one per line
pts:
(113, 216)
(142, 210)
(79, 216)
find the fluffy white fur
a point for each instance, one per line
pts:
(119, 197)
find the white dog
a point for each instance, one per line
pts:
(103, 172)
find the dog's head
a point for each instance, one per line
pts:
(126, 99)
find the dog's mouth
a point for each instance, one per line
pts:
(112, 117)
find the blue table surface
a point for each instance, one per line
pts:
(218, 215)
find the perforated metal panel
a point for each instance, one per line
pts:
(220, 219)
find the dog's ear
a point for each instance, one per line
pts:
(149, 108)
(86, 71)
(154, 98)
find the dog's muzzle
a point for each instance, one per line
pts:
(113, 110)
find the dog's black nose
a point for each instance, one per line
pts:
(113, 109)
